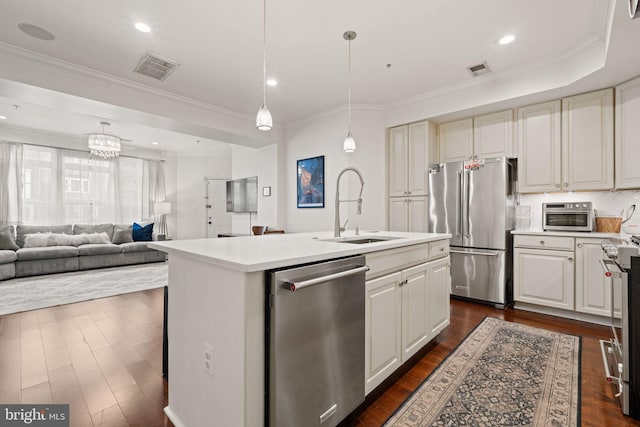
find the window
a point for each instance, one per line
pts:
(68, 186)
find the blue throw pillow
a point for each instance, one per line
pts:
(142, 234)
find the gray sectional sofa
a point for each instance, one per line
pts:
(119, 249)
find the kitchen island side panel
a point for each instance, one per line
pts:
(223, 308)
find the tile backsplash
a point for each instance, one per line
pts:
(603, 201)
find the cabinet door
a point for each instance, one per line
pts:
(627, 114)
(539, 148)
(417, 210)
(382, 329)
(418, 159)
(456, 140)
(593, 289)
(398, 161)
(439, 289)
(398, 214)
(544, 277)
(493, 135)
(415, 322)
(587, 141)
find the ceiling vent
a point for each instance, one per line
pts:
(156, 66)
(477, 70)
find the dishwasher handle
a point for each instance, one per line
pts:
(295, 286)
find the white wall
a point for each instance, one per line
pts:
(324, 135)
(263, 163)
(190, 189)
(614, 202)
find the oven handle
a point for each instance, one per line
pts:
(294, 286)
(605, 263)
(605, 362)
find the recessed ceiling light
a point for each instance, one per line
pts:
(3, 118)
(142, 27)
(272, 82)
(509, 38)
(155, 142)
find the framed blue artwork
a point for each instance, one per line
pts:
(310, 173)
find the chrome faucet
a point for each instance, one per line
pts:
(336, 226)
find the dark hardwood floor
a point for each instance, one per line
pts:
(104, 358)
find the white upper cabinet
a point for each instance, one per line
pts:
(587, 141)
(398, 161)
(409, 155)
(456, 140)
(539, 148)
(493, 135)
(627, 132)
(489, 135)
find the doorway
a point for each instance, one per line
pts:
(218, 220)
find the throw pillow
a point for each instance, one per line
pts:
(6, 239)
(142, 234)
(122, 234)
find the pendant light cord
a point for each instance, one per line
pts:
(264, 54)
(349, 86)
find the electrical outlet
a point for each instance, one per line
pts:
(207, 362)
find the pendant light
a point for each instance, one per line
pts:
(349, 145)
(264, 120)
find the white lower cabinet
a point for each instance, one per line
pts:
(415, 324)
(593, 289)
(544, 277)
(404, 310)
(382, 313)
(439, 290)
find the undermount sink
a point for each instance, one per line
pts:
(359, 240)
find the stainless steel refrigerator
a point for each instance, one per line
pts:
(474, 201)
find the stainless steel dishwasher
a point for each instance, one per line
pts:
(315, 336)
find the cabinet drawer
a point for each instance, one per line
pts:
(544, 242)
(392, 260)
(438, 249)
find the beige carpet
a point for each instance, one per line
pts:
(502, 374)
(30, 293)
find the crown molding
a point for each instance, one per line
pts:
(335, 110)
(8, 50)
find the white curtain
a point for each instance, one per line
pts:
(154, 188)
(10, 182)
(70, 186)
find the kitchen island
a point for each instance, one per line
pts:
(216, 313)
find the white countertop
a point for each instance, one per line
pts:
(583, 234)
(257, 253)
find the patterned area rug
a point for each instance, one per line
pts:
(30, 293)
(502, 374)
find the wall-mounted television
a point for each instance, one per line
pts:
(242, 195)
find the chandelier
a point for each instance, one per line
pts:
(104, 145)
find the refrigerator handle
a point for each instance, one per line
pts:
(459, 210)
(467, 190)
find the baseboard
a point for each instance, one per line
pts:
(583, 317)
(173, 417)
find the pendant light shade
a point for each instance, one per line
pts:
(263, 119)
(349, 145)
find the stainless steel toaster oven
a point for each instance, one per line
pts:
(569, 216)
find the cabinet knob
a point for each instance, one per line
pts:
(557, 185)
(408, 192)
(441, 249)
(566, 185)
(579, 245)
(542, 242)
(570, 259)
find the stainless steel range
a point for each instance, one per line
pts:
(621, 353)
